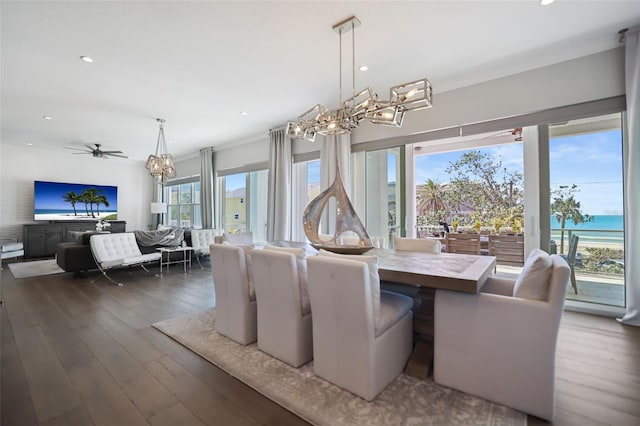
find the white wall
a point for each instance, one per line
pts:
(589, 78)
(20, 166)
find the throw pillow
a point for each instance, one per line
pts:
(533, 281)
(244, 238)
(374, 278)
(301, 264)
(247, 260)
(76, 236)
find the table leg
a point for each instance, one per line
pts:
(421, 360)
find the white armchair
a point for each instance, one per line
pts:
(118, 250)
(500, 344)
(201, 239)
(284, 314)
(236, 311)
(357, 345)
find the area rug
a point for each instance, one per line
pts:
(406, 401)
(34, 268)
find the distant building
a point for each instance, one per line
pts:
(235, 210)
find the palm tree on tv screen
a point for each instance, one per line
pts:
(89, 197)
(101, 199)
(73, 198)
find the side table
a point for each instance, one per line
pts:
(186, 257)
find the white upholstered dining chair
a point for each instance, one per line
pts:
(284, 311)
(500, 344)
(236, 309)
(425, 245)
(362, 337)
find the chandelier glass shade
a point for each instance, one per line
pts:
(160, 165)
(364, 105)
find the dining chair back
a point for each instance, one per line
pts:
(508, 249)
(463, 243)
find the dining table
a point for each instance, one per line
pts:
(422, 274)
(419, 275)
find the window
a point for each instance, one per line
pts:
(479, 189)
(385, 194)
(244, 205)
(306, 178)
(183, 204)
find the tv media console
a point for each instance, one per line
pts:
(41, 239)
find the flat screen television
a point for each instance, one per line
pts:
(74, 201)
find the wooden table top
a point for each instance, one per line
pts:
(449, 271)
(458, 272)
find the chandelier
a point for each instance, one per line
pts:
(364, 105)
(160, 165)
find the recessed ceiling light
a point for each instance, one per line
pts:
(364, 68)
(86, 59)
(546, 2)
(46, 117)
(170, 141)
(29, 144)
(244, 113)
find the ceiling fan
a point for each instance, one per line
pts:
(97, 152)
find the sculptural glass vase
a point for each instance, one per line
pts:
(346, 220)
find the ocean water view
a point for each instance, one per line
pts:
(604, 229)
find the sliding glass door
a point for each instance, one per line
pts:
(587, 206)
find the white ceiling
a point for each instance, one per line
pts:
(200, 64)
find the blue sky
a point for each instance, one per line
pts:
(591, 161)
(236, 181)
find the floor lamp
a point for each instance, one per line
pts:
(158, 209)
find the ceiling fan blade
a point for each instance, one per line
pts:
(111, 152)
(81, 153)
(77, 149)
(117, 155)
(96, 148)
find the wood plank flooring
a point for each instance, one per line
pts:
(77, 352)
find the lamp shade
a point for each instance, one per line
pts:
(158, 208)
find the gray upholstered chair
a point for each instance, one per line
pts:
(284, 313)
(362, 337)
(236, 309)
(500, 344)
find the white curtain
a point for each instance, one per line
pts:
(632, 178)
(329, 146)
(207, 188)
(279, 193)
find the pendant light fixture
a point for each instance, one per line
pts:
(362, 105)
(161, 165)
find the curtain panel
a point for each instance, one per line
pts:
(279, 204)
(632, 178)
(207, 188)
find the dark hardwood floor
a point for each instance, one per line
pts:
(81, 353)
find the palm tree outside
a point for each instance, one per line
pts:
(565, 207)
(431, 197)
